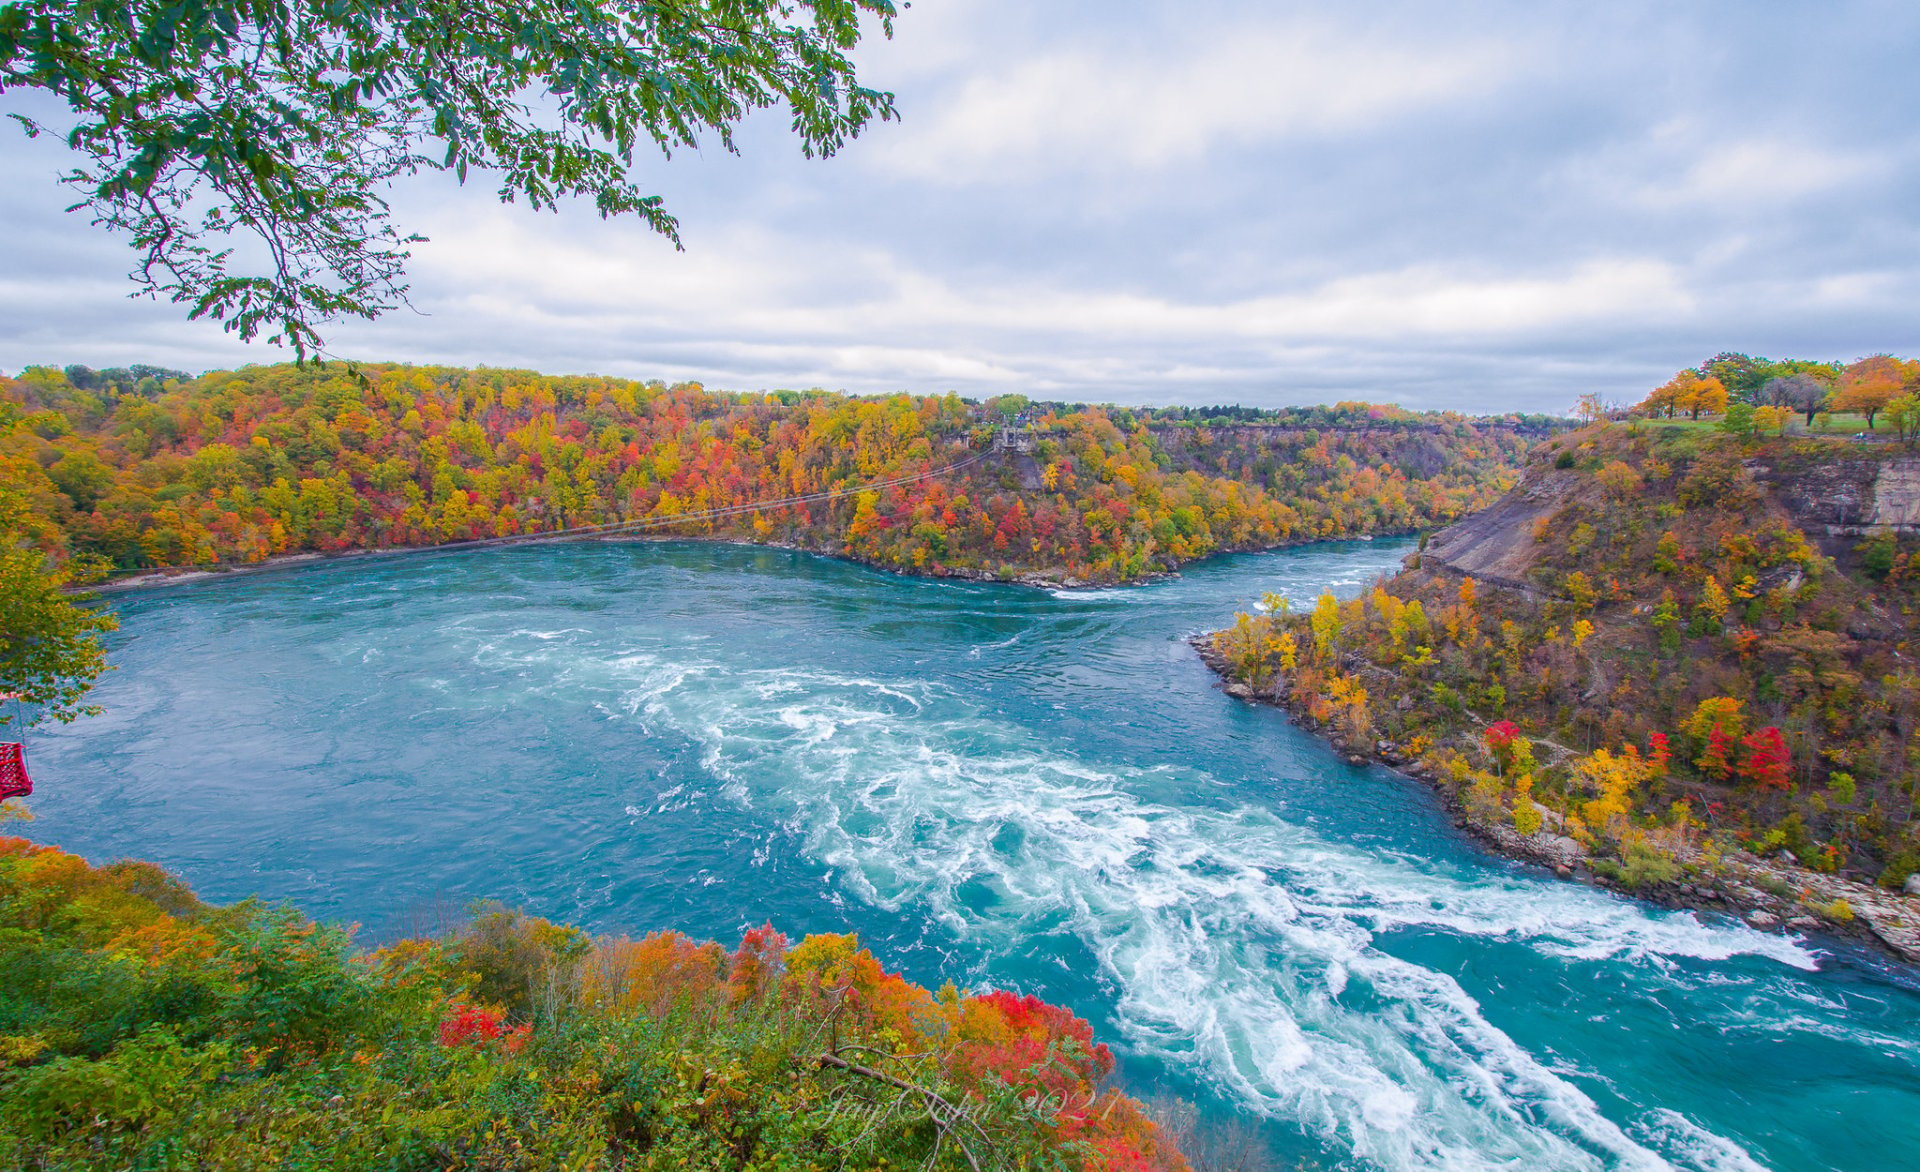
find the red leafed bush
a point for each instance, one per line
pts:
(471, 1025)
(1659, 752)
(1714, 759)
(1048, 1056)
(1500, 734)
(1041, 1048)
(1766, 762)
(757, 964)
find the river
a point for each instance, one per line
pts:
(1037, 790)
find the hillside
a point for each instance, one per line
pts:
(1666, 651)
(140, 1028)
(140, 469)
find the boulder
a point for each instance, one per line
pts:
(1804, 924)
(1912, 886)
(1760, 919)
(1562, 850)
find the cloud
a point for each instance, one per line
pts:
(756, 284)
(1499, 205)
(1110, 110)
(1684, 167)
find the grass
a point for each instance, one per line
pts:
(1840, 425)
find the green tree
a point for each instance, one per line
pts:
(1742, 375)
(283, 122)
(50, 649)
(1903, 411)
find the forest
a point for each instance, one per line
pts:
(141, 1028)
(139, 468)
(1668, 643)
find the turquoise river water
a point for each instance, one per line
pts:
(1037, 790)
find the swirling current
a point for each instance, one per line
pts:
(993, 785)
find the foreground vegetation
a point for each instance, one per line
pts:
(140, 1028)
(129, 469)
(1666, 645)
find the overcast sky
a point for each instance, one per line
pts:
(1481, 206)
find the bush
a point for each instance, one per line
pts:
(140, 1028)
(1641, 866)
(1894, 876)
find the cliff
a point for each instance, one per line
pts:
(1675, 661)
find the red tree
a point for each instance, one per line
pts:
(1766, 761)
(1658, 752)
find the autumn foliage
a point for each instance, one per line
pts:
(237, 466)
(156, 1030)
(1688, 650)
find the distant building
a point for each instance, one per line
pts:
(1016, 439)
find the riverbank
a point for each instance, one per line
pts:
(166, 576)
(1767, 894)
(1037, 579)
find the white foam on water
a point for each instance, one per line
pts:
(1242, 947)
(1692, 1144)
(975, 652)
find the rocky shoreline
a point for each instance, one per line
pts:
(1767, 894)
(1038, 579)
(179, 576)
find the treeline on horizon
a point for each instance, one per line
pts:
(143, 467)
(1762, 394)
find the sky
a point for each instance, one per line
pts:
(1479, 206)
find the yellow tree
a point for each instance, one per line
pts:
(1325, 622)
(1703, 395)
(1614, 779)
(1662, 401)
(1687, 391)
(1870, 384)
(1903, 411)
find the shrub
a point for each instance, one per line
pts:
(164, 1033)
(1647, 866)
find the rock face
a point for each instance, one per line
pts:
(1838, 501)
(1835, 501)
(1496, 544)
(1896, 496)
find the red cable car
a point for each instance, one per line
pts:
(14, 782)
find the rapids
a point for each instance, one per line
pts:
(992, 785)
